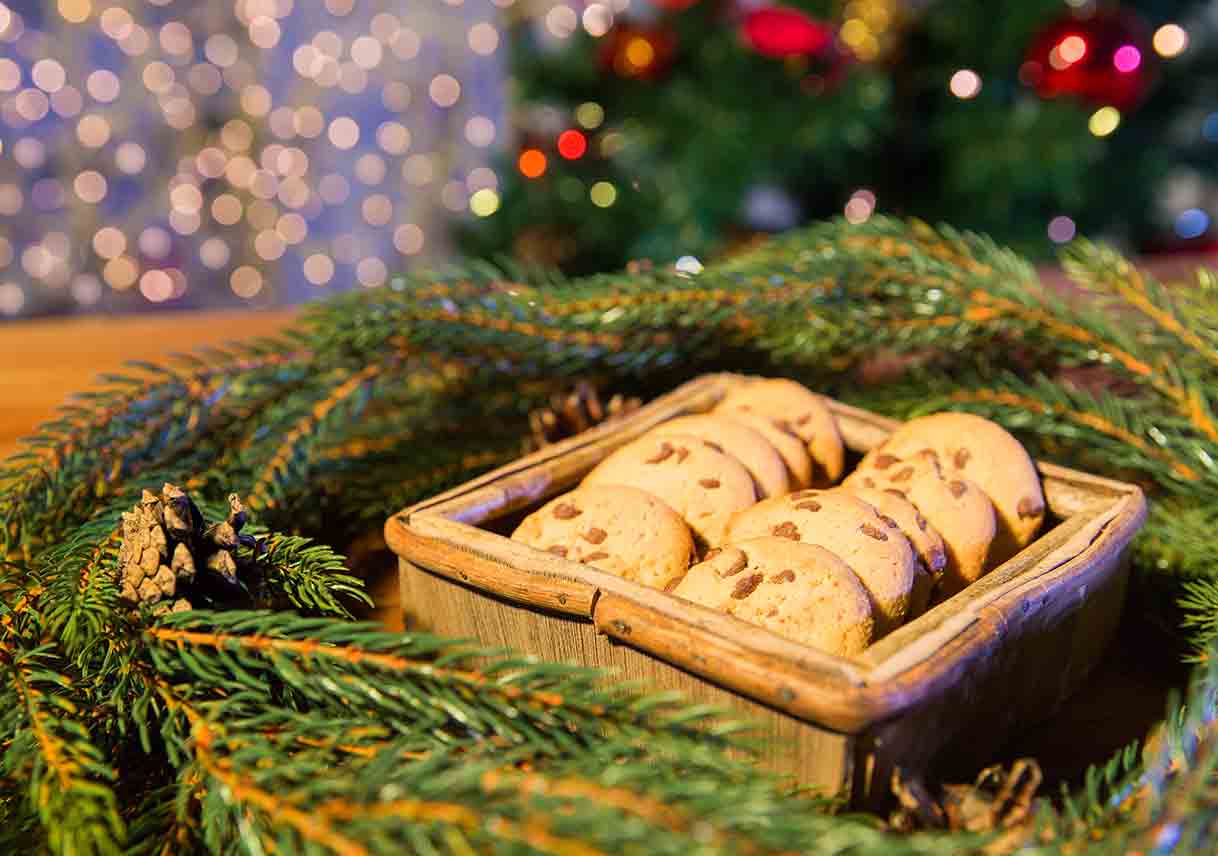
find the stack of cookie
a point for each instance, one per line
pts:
(744, 510)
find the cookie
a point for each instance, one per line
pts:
(622, 530)
(924, 538)
(790, 405)
(955, 507)
(984, 452)
(744, 444)
(871, 545)
(799, 591)
(790, 448)
(704, 486)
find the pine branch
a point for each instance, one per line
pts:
(311, 577)
(293, 450)
(69, 783)
(409, 682)
(385, 794)
(82, 589)
(137, 421)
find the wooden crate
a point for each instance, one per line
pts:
(955, 682)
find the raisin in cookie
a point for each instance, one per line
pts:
(924, 538)
(622, 530)
(790, 448)
(984, 452)
(955, 507)
(790, 405)
(799, 591)
(871, 545)
(702, 485)
(744, 444)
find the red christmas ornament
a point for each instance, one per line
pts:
(645, 53)
(781, 32)
(1104, 59)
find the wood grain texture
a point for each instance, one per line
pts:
(43, 362)
(436, 604)
(1004, 652)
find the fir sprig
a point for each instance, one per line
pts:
(312, 577)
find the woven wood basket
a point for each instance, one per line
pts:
(956, 682)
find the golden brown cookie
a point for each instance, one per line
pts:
(873, 547)
(744, 444)
(984, 452)
(954, 507)
(923, 537)
(619, 529)
(790, 448)
(804, 413)
(702, 485)
(799, 591)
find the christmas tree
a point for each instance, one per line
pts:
(681, 127)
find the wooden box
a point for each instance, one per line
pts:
(954, 683)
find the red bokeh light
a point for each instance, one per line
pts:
(572, 144)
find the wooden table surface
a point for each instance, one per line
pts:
(41, 362)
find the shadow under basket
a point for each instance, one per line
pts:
(958, 680)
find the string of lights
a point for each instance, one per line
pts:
(173, 153)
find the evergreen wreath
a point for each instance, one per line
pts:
(263, 719)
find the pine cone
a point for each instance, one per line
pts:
(164, 543)
(148, 571)
(575, 412)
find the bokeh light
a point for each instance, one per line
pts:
(444, 90)
(860, 206)
(75, 11)
(531, 163)
(597, 19)
(590, 115)
(408, 239)
(1061, 229)
(246, 281)
(1104, 121)
(12, 298)
(561, 21)
(965, 83)
(1071, 49)
(1170, 40)
(484, 202)
(603, 194)
(572, 144)
(483, 38)
(480, 131)
(1192, 223)
(344, 132)
(1126, 58)
(319, 269)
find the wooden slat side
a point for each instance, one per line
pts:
(814, 757)
(494, 564)
(742, 657)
